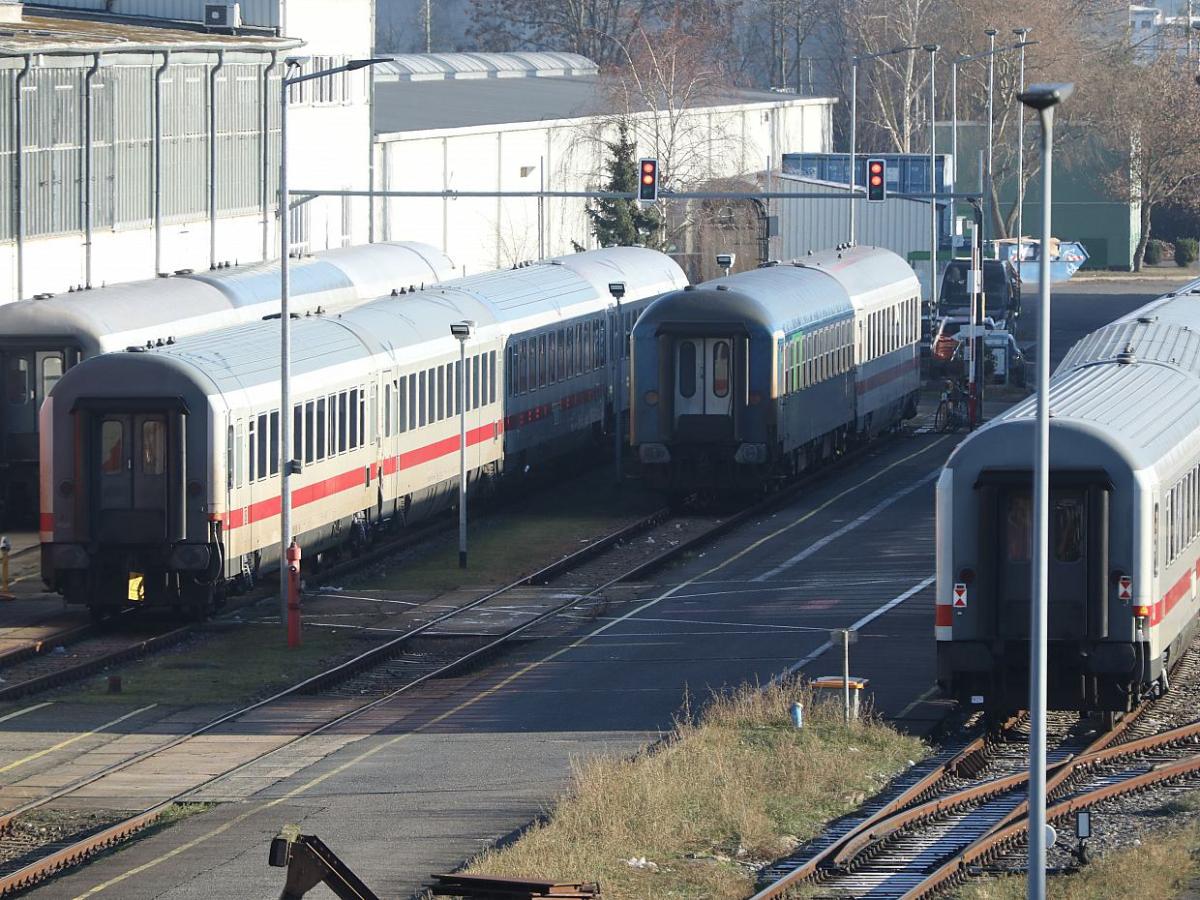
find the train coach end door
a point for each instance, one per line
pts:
(131, 478)
(703, 378)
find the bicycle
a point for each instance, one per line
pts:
(951, 413)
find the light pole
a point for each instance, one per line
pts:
(991, 33)
(617, 289)
(1020, 33)
(287, 465)
(462, 331)
(1043, 98)
(932, 50)
(854, 63)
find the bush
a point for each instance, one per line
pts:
(1153, 252)
(1186, 251)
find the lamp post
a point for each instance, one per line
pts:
(1020, 34)
(932, 50)
(1043, 98)
(462, 331)
(991, 33)
(617, 289)
(854, 63)
(287, 465)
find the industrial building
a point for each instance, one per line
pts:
(140, 138)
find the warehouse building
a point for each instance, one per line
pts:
(139, 138)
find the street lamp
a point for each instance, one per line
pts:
(462, 332)
(1020, 45)
(1043, 98)
(854, 62)
(991, 34)
(932, 50)
(617, 289)
(287, 465)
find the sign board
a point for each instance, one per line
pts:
(960, 595)
(1125, 588)
(837, 635)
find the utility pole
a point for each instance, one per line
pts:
(932, 50)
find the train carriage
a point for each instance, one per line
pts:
(162, 465)
(1124, 521)
(41, 339)
(757, 376)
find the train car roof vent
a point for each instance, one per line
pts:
(135, 349)
(187, 271)
(722, 287)
(1126, 357)
(170, 340)
(689, 287)
(1146, 320)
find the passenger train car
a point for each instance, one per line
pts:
(1124, 554)
(762, 374)
(41, 339)
(164, 463)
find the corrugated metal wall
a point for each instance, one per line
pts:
(122, 154)
(254, 12)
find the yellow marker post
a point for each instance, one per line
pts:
(5, 552)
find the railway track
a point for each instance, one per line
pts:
(967, 806)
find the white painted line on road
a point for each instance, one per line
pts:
(766, 626)
(71, 740)
(865, 620)
(28, 709)
(871, 513)
(340, 596)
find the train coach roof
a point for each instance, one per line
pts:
(116, 317)
(862, 271)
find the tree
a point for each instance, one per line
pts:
(623, 223)
(1152, 115)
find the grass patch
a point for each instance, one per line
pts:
(737, 785)
(1161, 867)
(521, 538)
(223, 667)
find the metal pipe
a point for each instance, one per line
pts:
(265, 171)
(212, 158)
(306, 194)
(1020, 33)
(619, 390)
(991, 33)
(462, 455)
(285, 356)
(954, 122)
(933, 210)
(88, 178)
(853, 141)
(19, 172)
(158, 76)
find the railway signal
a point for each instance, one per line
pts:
(648, 180)
(876, 180)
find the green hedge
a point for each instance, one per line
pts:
(1186, 251)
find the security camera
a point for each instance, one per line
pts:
(726, 260)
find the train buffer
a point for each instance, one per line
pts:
(831, 686)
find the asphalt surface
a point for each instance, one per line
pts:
(432, 778)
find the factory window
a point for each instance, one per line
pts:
(720, 367)
(154, 445)
(273, 462)
(489, 375)
(112, 448)
(1018, 531)
(310, 426)
(322, 429)
(687, 369)
(1069, 532)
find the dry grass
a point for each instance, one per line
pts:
(738, 785)
(1162, 867)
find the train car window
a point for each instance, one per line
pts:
(687, 369)
(273, 461)
(1154, 542)
(1169, 550)
(785, 363)
(543, 361)
(562, 353)
(239, 454)
(454, 377)
(522, 367)
(341, 422)
(441, 394)
(412, 401)
(387, 409)
(601, 339)
(476, 365)
(490, 377)
(1018, 528)
(421, 398)
(310, 428)
(252, 473)
(230, 458)
(297, 432)
(552, 358)
(372, 417)
(154, 448)
(402, 405)
(261, 465)
(720, 369)
(112, 448)
(322, 429)
(17, 380)
(52, 371)
(362, 417)
(333, 424)
(1069, 529)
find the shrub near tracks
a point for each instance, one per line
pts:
(723, 793)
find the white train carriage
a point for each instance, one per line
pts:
(41, 339)
(177, 449)
(1124, 521)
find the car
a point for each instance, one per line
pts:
(1001, 287)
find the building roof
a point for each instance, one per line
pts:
(55, 35)
(403, 106)
(451, 66)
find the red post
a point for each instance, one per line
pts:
(293, 605)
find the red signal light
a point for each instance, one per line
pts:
(648, 183)
(876, 175)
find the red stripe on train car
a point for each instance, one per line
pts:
(882, 378)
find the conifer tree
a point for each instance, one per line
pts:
(623, 223)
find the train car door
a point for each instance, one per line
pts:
(704, 377)
(1068, 563)
(130, 484)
